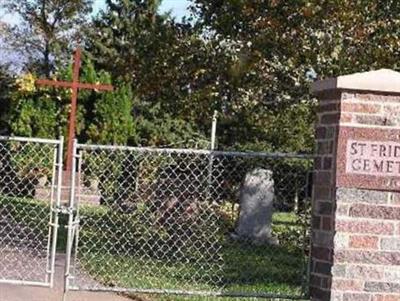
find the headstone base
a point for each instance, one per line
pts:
(83, 194)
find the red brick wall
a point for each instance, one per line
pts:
(356, 232)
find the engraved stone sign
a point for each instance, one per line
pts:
(369, 158)
(373, 158)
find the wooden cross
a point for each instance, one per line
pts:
(75, 85)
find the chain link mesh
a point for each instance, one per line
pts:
(166, 218)
(27, 171)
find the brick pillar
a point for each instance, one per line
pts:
(356, 193)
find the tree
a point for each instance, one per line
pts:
(126, 32)
(102, 117)
(159, 59)
(252, 61)
(6, 88)
(33, 113)
(113, 122)
(181, 73)
(264, 76)
(46, 31)
(280, 47)
(288, 38)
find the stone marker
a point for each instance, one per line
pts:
(256, 208)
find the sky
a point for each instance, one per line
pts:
(178, 8)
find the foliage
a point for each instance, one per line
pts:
(181, 73)
(351, 36)
(166, 130)
(251, 61)
(280, 46)
(6, 87)
(293, 229)
(125, 32)
(33, 114)
(107, 168)
(23, 165)
(103, 117)
(31, 161)
(46, 31)
(150, 52)
(112, 121)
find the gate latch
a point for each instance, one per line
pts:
(64, 210)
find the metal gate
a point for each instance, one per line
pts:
(30, 187)
(163, 221)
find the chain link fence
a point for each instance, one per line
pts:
(154, 220)
(28, 193)
(165, 221)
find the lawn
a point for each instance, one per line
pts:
(149, 262)
(246, 268)
(131, 254)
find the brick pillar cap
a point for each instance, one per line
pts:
(382, 80)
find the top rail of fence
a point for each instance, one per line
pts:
(196, 151)
(26, 139)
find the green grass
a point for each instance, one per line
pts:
(239, 267)
(245, 268)
(36, 214)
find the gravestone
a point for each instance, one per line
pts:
(256, 208)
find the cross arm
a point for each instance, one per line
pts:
(64, 84)
(95, 86)
(53, 83)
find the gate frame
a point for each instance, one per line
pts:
(54, 204)
(71, 226)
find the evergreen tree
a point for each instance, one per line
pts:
(159, 59)
(113, 122)
(125, 34)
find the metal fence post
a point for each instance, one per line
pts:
(214, 130)
(56, 208)
(52, 225)
(210, 164)
(70, 227)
